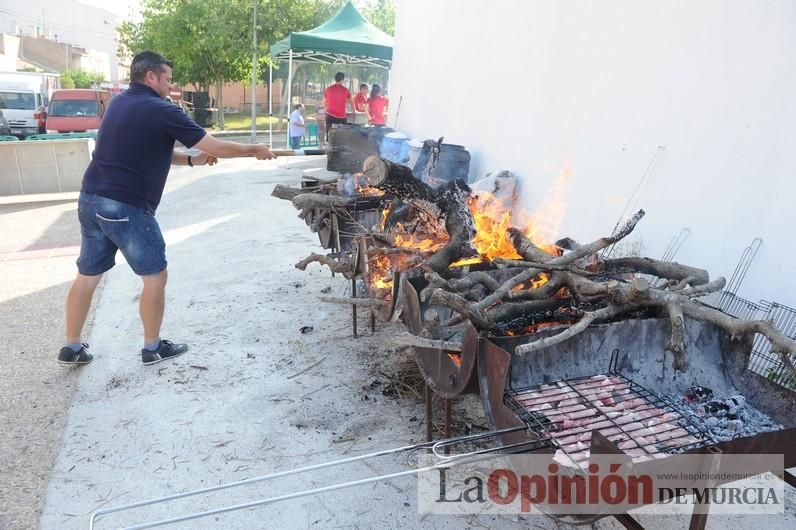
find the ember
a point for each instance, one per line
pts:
(724, 418)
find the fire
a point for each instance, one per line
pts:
(374, 192)
(491, 222)
(384, 215)
(456, 358)
(417, 243)
(380, 272)
(492, 217)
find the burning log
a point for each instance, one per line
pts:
(449, 203)
(397, 180)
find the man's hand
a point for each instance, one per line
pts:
(204, 159)
(263, 152)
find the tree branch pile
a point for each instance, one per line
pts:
(563, 293)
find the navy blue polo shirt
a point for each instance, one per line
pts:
(134, 146)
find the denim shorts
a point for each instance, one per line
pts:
(107, 225)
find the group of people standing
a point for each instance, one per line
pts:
(369, 107)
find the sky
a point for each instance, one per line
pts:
(120, 8)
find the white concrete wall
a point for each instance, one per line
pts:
(43, 166)
(540, 87)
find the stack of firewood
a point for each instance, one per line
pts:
(570, 287)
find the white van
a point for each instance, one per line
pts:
(22, 94)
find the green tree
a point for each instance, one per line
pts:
(79, 78)
(380, 13)
(210, 41)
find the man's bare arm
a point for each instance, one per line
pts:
(179, 158)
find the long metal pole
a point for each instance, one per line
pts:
(474, 456)
(289, 86)
(254, 74)
(270, 101)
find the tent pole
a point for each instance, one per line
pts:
(289, 86)
(270, 102)
(254, 75)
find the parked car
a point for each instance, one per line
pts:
(5, 128)
(76, 110)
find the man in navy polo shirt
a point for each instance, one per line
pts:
(122, 187)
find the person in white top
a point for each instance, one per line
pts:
(296, 126)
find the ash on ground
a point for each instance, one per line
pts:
(723, 417)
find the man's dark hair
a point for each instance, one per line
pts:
(339, 76)
(147, 61)
(363, 85)
(298, 106)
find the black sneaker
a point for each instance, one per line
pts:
(68, 356)
(166, 350)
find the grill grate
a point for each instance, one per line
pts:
(640, 423)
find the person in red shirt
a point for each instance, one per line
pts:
(377, 107)
(361, 105)
(335, 98)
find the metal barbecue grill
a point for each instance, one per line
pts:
(649, 429)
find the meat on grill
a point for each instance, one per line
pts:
(568, 412)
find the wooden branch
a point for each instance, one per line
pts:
(462, 306)
(458, 285)
(319, 200)
(545, 266)
(364, 302)
(397, 251)
(526, 248)
(591, 248)
(513, 310)
(453, 201)
(701, 290)
(548, 290)
(286, 192)
(661, 269)
(341, 265)
(395, 179)
(677, 342)
(588, 318)
(407, 339)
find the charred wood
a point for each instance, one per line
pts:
(319, 200)
(286, 192)
(343, 265)
(661, 269)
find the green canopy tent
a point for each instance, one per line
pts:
(346, 38)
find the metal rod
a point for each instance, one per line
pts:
(372, 322)
(105, 511)
(289, 94)
(429, 414)
(354, 307)
(254, 74)
(448, 421)
(270, 102)
(304, 493)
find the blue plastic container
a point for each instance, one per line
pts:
(395, 147)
